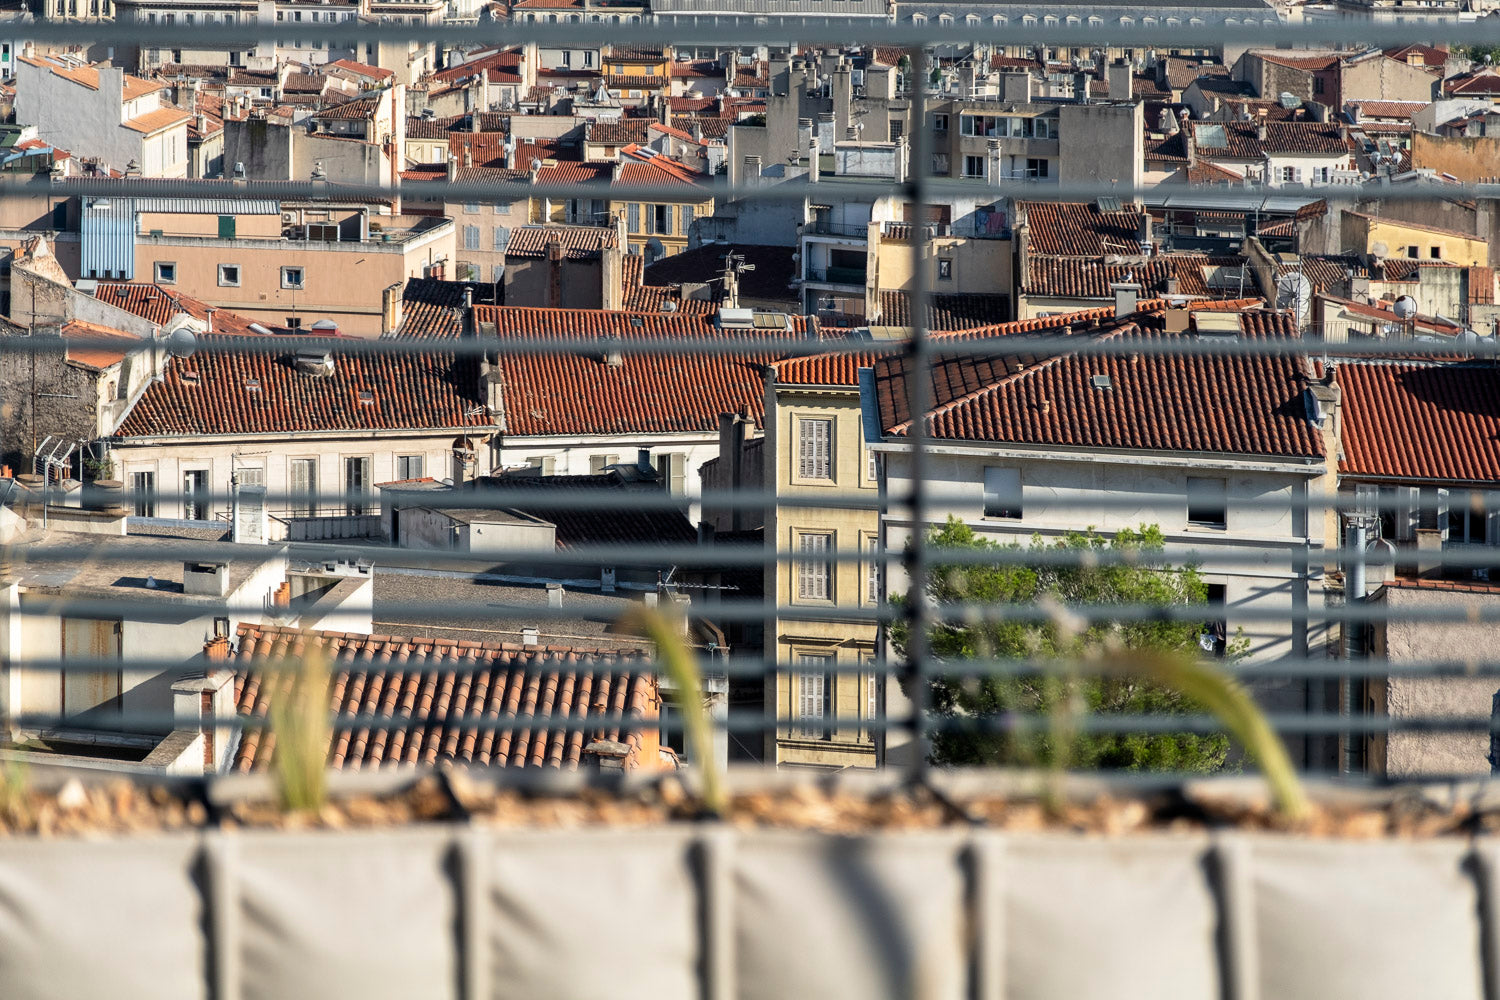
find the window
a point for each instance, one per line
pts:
(1002, 492)
(229, 275)
(408, 467)
(661, 219)
(1208, 502)
(226, 227)
(1291, 175)
(974, 166)
(1214, 639)
(1436, 253)
(1037, 169)
(143, 491)
(293, 323)
(291, 277)
(633, 218)
(939, 123)
(940, 164)
(501, 237)
(471, 208)
(812, 692)
(872, 465)
(814, 571)
(873, 569)
(166, 272)
(1318, 84)
(814, 449)
(304, 480)
(471, 237)
(672, 467)
(598, 463)
(895, 130)
(685, 220)
(872, 696)
(250, 476)
(545, 463)
(945, 269)
(356, 484)
(195, 495)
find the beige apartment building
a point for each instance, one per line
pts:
(815, 448)
(281, 264)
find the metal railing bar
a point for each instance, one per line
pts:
(373, 660)
(793, 29)
(946, 346)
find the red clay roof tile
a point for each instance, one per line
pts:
(1421, 421)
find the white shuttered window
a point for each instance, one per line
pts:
(814, 448)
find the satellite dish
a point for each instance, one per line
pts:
(1380, 251)
(1405, 307)
(1294, 293)
(181, 343)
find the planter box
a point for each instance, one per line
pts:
(688, 911)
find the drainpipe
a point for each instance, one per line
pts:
(1354, 647)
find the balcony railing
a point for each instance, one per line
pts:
(837, 275)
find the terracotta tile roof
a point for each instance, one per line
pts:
(956, 311)
(573, 173)
(211, 394)
(365, 108)
(578, 242)
(824, 369)
(640, 297)
(489, 173)
(675, 133)
(617, 82)
(1420, 421)
(431, 308)
(708, 127)
(1312, 64)
(96, 356)
(1181, 72)
(696, 69)
(1204, 172)
(619, 132)
(770, 281)
(1144, 85)
(1431, 55)
(557, 393)
(1482, 82)
(691, 105)
(441, 682)
(1389, 109)
(501, 65)
(304, 83)
(426, 172)
(1433, 583)
(418, 127)
(88, 76)
(1073, 277)
(1326, 271)
(659, 171)
(361, 69)
(159, 304)
(1239, 140)
(1079, 229)
(155, 121)
(1204, 403)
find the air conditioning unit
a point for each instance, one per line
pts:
(288, 218)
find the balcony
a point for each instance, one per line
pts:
(820, 227)
(837, 275)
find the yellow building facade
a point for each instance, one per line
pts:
(815, 454)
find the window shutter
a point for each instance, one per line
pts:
(633, 217)
(816, 447)
(685, 218)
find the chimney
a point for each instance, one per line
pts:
(1189, 140)
(468, 158)
(1126, 296)
(391, 308)
(605, 755)
(1121, 81)
(812, 160)
(555, 256)
(205, 579)
(1260, 127)
(209, 698)
(530, 635)
(1143, 235)
(510, 152)
(554, 595)
(1356, 112)
(1081, 88)
(453, 169)
(614, 356)
(643, 460)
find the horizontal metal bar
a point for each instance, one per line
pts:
(943, 347)
(1009, 723)
(751, 30)
(713, 663)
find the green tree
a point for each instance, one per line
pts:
(1061, 643)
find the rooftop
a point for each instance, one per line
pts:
(1415, 421)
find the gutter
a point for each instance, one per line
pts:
(358, 435)
(1311, 467)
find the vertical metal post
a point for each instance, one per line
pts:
(1354, 645)
(918, 609)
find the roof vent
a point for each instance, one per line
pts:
(316, 363)
(325, 327)
(257, 328)
(1103, 382)
(366, 397)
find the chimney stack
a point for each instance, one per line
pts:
(1126, 297)
(1189, 141)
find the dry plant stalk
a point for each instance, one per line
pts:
(1232, 705)
(300, 722)
(682, 669)
(15, 793)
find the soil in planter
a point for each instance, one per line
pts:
(122, 807)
